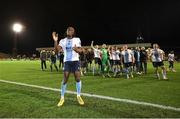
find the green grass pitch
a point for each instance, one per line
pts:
(27, 102)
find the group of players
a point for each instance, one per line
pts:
(106, 60)
(112, 61)
(125, 61)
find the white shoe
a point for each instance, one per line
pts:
(165, 78)
(138, 73)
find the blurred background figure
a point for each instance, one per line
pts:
(127, 58)
(43, 58)
(143, 60)
(139, 38)
(97, 58)
(60, 58)
(157, 57)
(53, 60)
(83, 61)
(171, 59)
(90, 57)
(137, 60)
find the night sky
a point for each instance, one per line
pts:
(104, 21)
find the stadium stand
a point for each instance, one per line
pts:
(4, 55)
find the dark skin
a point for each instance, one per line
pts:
(70, 32)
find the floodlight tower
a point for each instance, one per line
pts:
(17, 28)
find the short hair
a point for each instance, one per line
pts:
(68, 28)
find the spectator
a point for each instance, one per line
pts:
(143, 60)
(43, 58)
(53, 60)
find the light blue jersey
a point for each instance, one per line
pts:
(67, 46)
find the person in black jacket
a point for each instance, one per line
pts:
(53, 60)
(143, 60)
(43, 58)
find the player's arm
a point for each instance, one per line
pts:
(109, 48)
(40, 55)
(92, 46)
(150, 55)
(122, 59)
(56, 46)
(162, 54)
(77, 49)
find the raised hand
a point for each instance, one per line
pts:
(55, 36)
(92, 43)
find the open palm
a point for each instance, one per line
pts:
(55, 36)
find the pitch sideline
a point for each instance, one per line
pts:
(97, 96)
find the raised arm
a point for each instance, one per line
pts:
(55, 38)
(109, 48)
(92, 42)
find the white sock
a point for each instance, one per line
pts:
(164, 73)
(78, 88)
(63, 89)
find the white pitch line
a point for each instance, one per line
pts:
(97, 96)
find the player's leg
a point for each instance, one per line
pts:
(94, 66)
(173, 69)
(103, 68)
(126, 70)
(121, 69)
(157, 72)
(114, 68)
(111, 64)
(45, 64)
(63, 88)
(131, 69)
(77, 75)
(163, 71)
(64, 82)
(108, 67)
(51, 66)
(55, 66)
(67, 70)
(99, 65)
(81, 68)
(141, 67)
(170, 65)
(155, 65)
(145, 67)
(78, 82)
(42, 65)
(90, 65)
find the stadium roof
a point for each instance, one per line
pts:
(118, 45)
